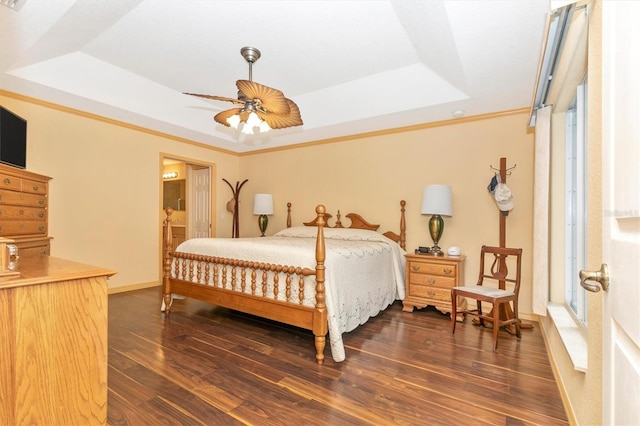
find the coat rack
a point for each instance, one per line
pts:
(232, 207)
(505, 308)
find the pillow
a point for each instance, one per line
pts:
(351, 234)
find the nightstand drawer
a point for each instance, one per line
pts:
(432, 280)
(445, 269)
(434, 294)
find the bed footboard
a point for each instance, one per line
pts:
(268, 290)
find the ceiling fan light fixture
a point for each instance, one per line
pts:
(234, 121)
(264, 127)
(247, 130)
(253, 120)
(263, 108)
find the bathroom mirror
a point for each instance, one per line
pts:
(174, 194)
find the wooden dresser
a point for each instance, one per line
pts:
(24, 215)
(429, 280)
(53, 343)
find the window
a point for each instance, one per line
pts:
(575, 208)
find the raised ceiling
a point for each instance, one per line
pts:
(351, 66)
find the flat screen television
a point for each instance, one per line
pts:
(13, 139)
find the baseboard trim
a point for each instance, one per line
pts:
(132, 287)
(564, 395)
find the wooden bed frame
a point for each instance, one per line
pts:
(232, 294)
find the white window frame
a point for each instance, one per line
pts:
(576, 202)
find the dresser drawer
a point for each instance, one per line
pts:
(26, 249)
(34, 187)
(22, 199)
(33, 245)
(10, 182)
(23, 227)
(432, 280)
(444, 269)
(25, 213)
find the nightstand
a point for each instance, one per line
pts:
(429, 282)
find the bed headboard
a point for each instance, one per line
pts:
(358, 222)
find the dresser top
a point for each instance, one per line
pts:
(15, 171)
(42, 269)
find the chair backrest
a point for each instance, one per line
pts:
(501, 265)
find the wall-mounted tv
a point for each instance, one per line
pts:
(13, 139)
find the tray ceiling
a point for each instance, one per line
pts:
(351, 66)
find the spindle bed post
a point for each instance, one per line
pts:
(320, 327)
(166, 259)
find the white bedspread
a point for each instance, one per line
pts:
(365, 271)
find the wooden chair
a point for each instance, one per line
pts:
(497, 275)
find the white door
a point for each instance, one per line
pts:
(621, 211)
(201, 207)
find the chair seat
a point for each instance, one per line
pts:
(484, 291)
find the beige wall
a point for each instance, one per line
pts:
(105, 188)
(372, 174)
(105, 192)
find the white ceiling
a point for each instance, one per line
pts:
(351, 66)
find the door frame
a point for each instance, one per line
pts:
(212, 198)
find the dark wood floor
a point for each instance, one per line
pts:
(205, 365)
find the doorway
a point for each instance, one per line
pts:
(187, 186)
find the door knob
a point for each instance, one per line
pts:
(601, 276)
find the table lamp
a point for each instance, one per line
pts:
(263, 206)
(436, 201)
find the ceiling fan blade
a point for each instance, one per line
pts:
(271, 100)
(282, 121)
(217, 98)
(221, 117)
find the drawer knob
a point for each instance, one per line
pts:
(415, 268)
(431, 293)
(7, 181)
(431, 281)
(41, 215)
(448, 270)
(36, 187)
(41, 202)
(41, 228)
(21, 212)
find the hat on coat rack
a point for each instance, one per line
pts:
(503, 197)
(492, 184)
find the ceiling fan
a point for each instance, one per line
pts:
(260, 107)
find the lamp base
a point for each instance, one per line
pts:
(436, 251)
(263, 221)
(436, 226)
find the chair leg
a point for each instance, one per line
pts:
(454, 309)
(480, 319)
(496, 324)
(515, 314)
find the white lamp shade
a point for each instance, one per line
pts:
(263, 204)
(437, 200)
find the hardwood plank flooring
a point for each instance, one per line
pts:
(206, 365)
